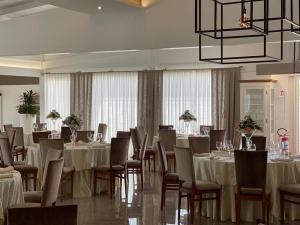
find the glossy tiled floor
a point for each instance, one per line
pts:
(141, 208)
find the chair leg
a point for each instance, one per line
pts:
(281, 207)
(174, 165)
(163, 192)
(142, 177)
(192, 205)
(34, 182)
(95, 182)
(263, 210)
(72, 183)
(62, 179)
(218, 197)
(200, 205)
(237, 210)
(268, 211)
(26, 182)
(179, 205)
(149, 164)
(154, 164)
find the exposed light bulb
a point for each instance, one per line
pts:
(99, 7)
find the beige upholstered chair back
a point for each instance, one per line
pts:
(11, 135)
(143, 148)
(208, 127)
(163, 157)
(216, 135)
(52, 181)
(7, 126)
(52, 154)
(119, 151)
(237, 138)
(102, 128)
(66, 134)
(82, 135)
(134, 140)
(251, 169)
(165, 127)
(37, 135)
(184, 164)
(19, 139)
(167, 139)
(45, 144)
(54, 215)
(6, 154)
(123, 134)
(199, 144)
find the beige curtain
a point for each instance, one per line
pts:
(81, 97)
(226, 99)
(150, 93)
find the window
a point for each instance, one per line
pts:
(114, 101)
(56, 96)
(187, 90)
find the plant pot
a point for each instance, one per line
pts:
(27, 121)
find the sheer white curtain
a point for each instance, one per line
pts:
(56, 96)
(187, 90)
(114, 101)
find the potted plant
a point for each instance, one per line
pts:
(248, 126)
(74, 123)
(53, 116)
(187, 117)
(28, 109)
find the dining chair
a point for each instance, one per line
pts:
(68, 171)
(237, 139)
(135, 144)
(170, 181)
(136, 166)
(82, 135)
(259, 141)
(199, 144)
(19, 148)
(116, 168)
(214, 137)
(102, 128)
(289, 193)
(167, 139)
(27, 172)
(66, 134)
(49, 215)
(36, 196)
(195, 190)
(37, 135)
(207, 127)
(123, 134)
(165, 127)
(251, 174)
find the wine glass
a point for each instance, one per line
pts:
(90, 136)
(100, 137)
(219, 145)
(252, 147)
(35, 126)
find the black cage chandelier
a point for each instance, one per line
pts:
(258, 24)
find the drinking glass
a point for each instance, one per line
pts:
(50, 136)
(90, 136)
(252, 147)
(100, 137)
(35, 127)
(219, 145)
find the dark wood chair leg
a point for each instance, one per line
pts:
(192, 206)
(218, 205)
(281, 207)
(72, 183)
(95, 182)
(179, 205)
(163, 192)
(237, 210)
(142, 177)
(263, 210)
(34, 181)
(200, 205)
(154, 163)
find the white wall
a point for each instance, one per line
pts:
(10, 96)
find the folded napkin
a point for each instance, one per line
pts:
(6, 169)
(6, 175)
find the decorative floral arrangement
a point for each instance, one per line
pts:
(248, 125)
(187, 116)
(73, 121)
(53, 115)
(29, 103)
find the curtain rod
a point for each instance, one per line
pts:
(124, 71)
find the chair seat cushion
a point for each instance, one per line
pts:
(20, 148)
(170, 154)
(172, 178)
(26, 205)
(251, 191)
(202, 186)
(26, 168)
(33, 196)
(106, 168)
(134, 163)
(291, 188)
(68, 169)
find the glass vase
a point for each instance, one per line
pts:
(187, 127)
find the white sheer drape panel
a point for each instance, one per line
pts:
(57, 96)
(187, 90)
(114, 101)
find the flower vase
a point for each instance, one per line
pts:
(248, 136)
(187, 127)
(73, 135)
(53, 125)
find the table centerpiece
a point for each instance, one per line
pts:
(74, 123)
(248, 126)
(54, 116)
(187, 118)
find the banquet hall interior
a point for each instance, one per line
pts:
(148, 112)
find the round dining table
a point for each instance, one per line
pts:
(11, 191)
(221, 170)
(82, 156)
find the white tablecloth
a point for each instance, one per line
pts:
(83, 158)
(11, 193)
(28, 140)
(223, 172)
